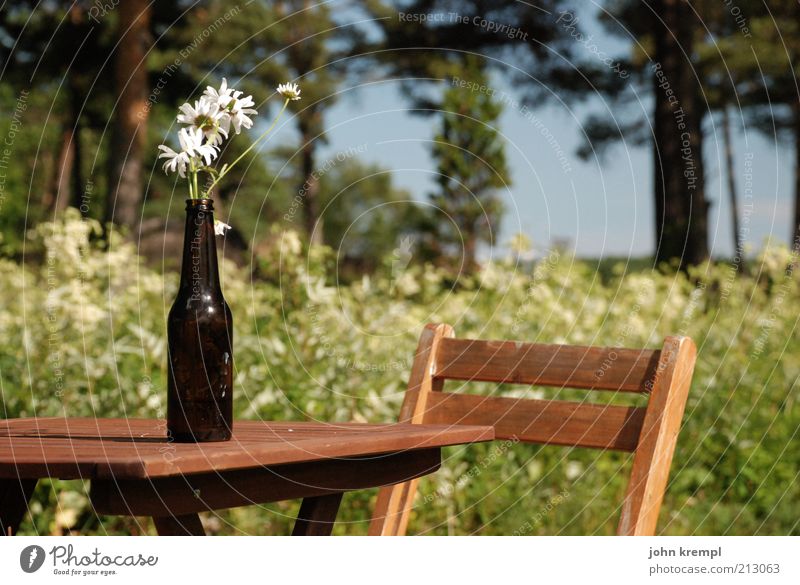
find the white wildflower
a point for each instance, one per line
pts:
(191, 140)
(291, 243)
(220, 227)
(176, 161)
(290, 91)
(239, 110)
(221, 96)
(573, 470)
(208, 124)
(233, 109)
(206, 116)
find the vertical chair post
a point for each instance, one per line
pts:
(662, 422)
(394, 502)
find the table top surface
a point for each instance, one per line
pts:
(87, 448)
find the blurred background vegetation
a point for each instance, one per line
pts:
(328, 308)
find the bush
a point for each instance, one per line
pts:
(83, 333)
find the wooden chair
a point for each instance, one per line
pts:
(649, 432)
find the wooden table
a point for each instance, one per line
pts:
(135, 471)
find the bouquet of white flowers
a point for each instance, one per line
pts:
(208, 124)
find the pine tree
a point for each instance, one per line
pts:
(768, 60)
(662, 64)
(131, 86)
(471, 166)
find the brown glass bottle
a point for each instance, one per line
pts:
(200, 339)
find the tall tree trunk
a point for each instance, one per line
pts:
(123, 205)
(66, 186)
(59, 194)
(666, 147)
(680, 204)
(694, 187)
(470, 251)
(48, 170)
(310, 184)
(77, 167)
(796, 225)
(728, 145)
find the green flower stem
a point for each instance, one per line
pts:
(192, 179)
(249, 148)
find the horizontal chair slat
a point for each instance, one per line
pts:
(542, 421)
(595, 368)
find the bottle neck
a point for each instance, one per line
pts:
(199, 271)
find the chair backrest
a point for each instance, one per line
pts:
(650, 432)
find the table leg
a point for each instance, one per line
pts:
(14, 496)
(184, 525)
(317, 515)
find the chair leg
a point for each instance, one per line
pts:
(184, 525)
(14, 496)
(662, 422)
(393, 509)
(317, 515)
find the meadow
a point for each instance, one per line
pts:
(83, 334)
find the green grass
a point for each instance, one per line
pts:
(83, 335)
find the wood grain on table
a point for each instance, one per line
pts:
(138, 449)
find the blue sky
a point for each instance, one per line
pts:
(603, 207)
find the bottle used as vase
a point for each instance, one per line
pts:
(200, 339)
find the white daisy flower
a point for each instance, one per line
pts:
(221, 96)
(233, 109)
(176, 161)
(290, 91)
(220, 227)
(224, 128)
(209, 121)
(192, 144)
(239, 110)
(207, 116)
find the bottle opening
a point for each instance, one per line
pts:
(205, 203)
